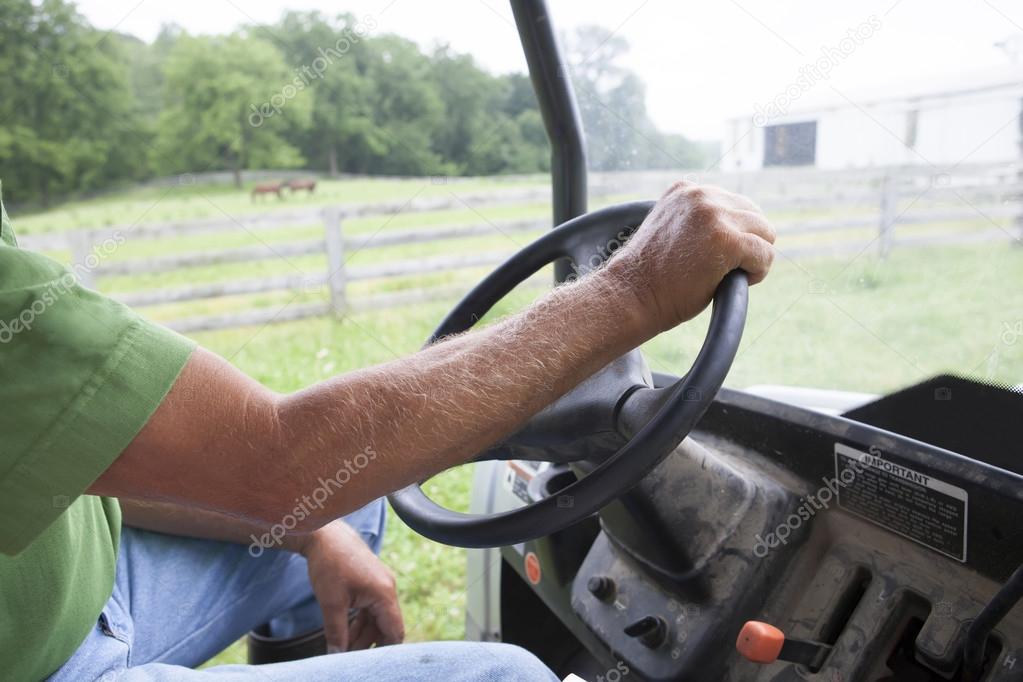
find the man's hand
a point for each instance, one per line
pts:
(346, 575)
(693, 237)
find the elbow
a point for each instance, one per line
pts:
(293, 497)
(278, 496)
(312, 477)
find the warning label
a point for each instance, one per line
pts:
(908, 502)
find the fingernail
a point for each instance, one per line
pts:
(331, 649)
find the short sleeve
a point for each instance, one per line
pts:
(80, 375)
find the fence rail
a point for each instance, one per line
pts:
(880, 201)
(284, 218)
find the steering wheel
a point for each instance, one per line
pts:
(615, 420)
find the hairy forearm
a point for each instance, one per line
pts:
(222, 442)
(382, 428)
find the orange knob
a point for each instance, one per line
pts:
(760, 642)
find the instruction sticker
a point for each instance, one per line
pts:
(908, 502)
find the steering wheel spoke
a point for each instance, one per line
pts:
(583, 423)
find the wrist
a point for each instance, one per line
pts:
(309, 543)
(628, 297)
(306, 543)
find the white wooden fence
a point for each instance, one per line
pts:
(983, 201)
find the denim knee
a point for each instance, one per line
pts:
(509, 663)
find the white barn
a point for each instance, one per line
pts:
(974, 118)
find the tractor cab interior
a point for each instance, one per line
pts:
(666, 528)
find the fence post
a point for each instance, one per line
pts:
(80, 244)
(336, 276)
(889, 207)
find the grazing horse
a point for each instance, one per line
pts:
(268, 188)
(308, 184)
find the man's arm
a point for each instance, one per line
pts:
(223, 442)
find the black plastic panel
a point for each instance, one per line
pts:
(981, 421)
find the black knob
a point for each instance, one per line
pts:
(650, 630)
(601, 587)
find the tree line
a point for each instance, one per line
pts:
(84, 109)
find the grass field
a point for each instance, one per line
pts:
(846, 323)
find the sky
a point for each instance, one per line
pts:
(702, 62)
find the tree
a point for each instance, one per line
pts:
(69, 120)
(83, 109)
(490, 124)
(407, 110)
(146, 63)
(333, 56)
(471, 116)
(382, 106)
(229, 101)
(612, 104)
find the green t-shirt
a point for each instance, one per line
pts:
(79, 377)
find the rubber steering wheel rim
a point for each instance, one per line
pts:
(685, 402)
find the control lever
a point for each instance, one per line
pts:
(764, 643)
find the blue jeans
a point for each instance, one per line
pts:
(178, 601)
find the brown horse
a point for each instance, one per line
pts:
(308, 184)
(268, 188)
